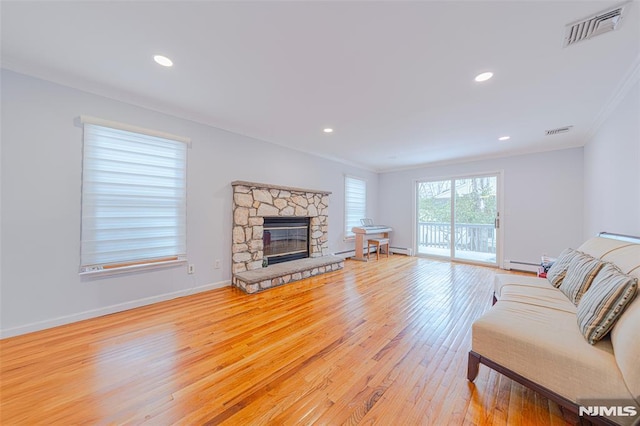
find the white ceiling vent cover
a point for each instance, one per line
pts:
(584, 29)
(557, 131)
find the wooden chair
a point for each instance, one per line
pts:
(378, 243)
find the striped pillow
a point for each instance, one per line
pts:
(604, 302)
(580, 274)
(558, 270)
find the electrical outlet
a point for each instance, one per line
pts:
(191, 269)
(217, 264)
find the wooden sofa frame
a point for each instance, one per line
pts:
(569, 408)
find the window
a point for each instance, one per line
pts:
(355, 203)
(133, 197)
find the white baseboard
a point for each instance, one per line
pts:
(93, 313)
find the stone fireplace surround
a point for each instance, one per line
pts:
(254, 201)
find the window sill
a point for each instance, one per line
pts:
(133, 268)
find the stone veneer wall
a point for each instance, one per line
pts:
(252, 202)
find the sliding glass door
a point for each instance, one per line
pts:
(458, 218)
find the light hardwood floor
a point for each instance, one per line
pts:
(383, 342)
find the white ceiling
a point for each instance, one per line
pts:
(394, 79)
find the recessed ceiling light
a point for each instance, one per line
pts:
(484, 76)
(504, 138)
(328, 130)
(163, 60)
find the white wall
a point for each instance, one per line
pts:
(41, 176)
(612, 171)
(542, 201)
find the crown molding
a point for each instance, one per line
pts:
(622, 90)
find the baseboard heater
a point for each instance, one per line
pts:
(395, 250)
(401, 250)
(351, 253)
(518, 265)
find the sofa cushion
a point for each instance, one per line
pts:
(545, 345)
(580, 273)
(600, 247)
(626, 344)
(601, 305)
(624, 335)
(549, 297)
(626, 258)
(502, 280)
(558, 270)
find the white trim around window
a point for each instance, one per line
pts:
(87, 119)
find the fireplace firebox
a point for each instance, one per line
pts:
(285, 239)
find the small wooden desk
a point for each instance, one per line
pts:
(363, 233)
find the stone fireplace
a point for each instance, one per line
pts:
(276, 240)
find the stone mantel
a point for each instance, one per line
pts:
(283, 188)
(252, 202)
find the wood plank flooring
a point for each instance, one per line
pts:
(383, 343)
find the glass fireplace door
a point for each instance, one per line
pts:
(285, 239)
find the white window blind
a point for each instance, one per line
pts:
(355, 203)
(133, 199)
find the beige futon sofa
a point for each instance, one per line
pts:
(531, 335)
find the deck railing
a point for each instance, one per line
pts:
(468, 237)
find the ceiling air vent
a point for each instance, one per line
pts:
(557, 131)
(592, 26)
